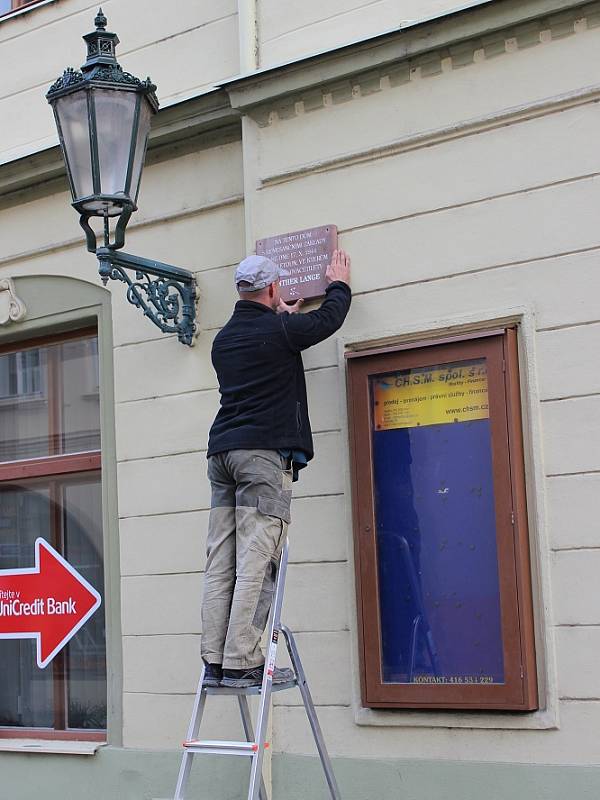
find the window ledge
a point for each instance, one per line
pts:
(55, 746)
(546, 719)
(30, 400)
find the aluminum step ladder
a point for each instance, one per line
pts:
(255, 745)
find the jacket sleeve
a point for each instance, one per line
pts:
(305, 330)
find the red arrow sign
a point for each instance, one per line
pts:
(48, 603)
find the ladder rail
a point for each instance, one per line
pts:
(265, 695)
(194, 727)
(311, 713)
(248, 730)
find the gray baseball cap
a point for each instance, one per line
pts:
(258, 272)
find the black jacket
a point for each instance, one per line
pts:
(258, 361)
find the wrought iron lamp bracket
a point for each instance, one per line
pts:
(166, 294)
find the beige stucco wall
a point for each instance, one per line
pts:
(452, 216)
(185, 52)
(479, 217)
(297, 28)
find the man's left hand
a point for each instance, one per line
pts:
(291, 309)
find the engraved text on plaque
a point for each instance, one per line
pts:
(303, 257)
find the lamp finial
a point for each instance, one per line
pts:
(101, 45)
(100, 21)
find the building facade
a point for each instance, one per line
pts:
(454, 149)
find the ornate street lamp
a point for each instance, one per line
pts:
(103, 117)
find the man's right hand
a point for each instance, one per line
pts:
(339, 269)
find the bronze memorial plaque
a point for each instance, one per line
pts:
(303, 257)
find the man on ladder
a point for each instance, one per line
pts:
(260, 439)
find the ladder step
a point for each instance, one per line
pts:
(222, 747)
(226, 690)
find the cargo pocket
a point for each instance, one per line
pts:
(280, 511)
(275, 508)
(265, 598)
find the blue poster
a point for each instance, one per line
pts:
(437, 557)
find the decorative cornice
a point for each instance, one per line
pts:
(469, 127)
(12, 308)
(397, 54)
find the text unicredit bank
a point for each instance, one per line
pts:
(11, 605)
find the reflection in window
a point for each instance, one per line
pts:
(31, 427)
(436, 532)
(86, 652)
(70, 511)
(26, 692)
(20, 374)
(49, 407)
(80, 396)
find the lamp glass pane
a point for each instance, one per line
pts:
(72, 113)
(140, 147)
(114, 123)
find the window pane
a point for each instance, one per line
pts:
(86, 652)
(65, 511)
(24, 419)
(436, 531)
(33, 427)
(26, 692)
(80, 395)
(5, 6)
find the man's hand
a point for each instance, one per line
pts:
(339, 269)
(291, 309)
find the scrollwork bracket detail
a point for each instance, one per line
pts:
(12, 308)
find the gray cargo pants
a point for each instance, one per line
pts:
(250, 511)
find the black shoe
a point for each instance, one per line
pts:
(212, 675)
(244, 678)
